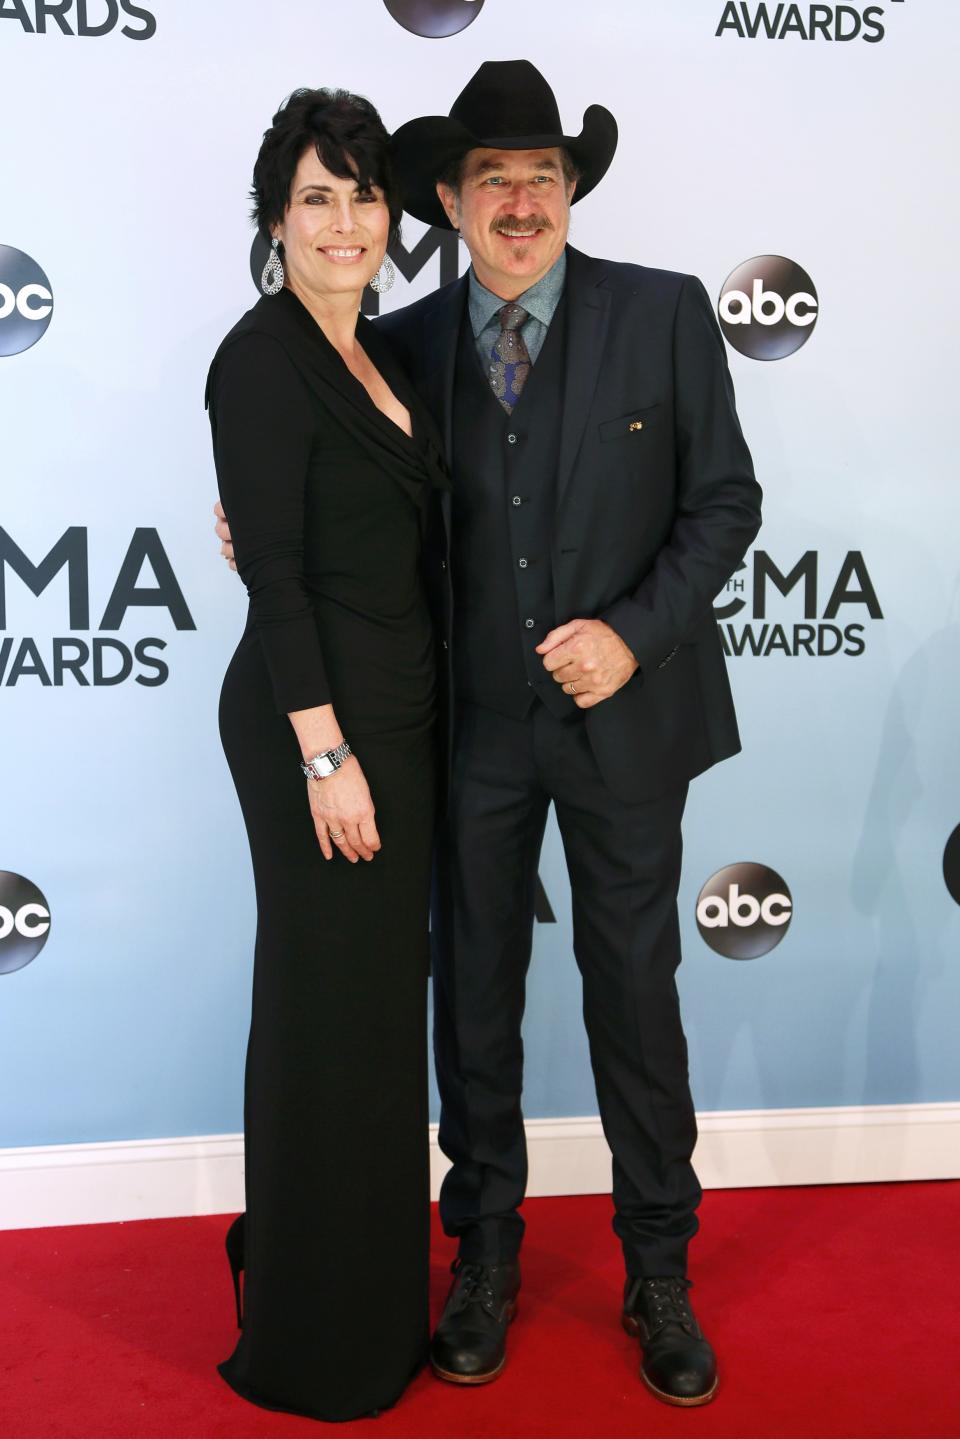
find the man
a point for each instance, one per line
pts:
(603, 494)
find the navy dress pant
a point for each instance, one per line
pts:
(624, 865)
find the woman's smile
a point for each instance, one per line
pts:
(343, 254)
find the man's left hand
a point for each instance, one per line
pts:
(588, 659)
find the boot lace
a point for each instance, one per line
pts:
(664, 1303)
(474, 1287)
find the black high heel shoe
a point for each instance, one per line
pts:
(235, 1247)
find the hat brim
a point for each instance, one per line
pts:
(422, 149)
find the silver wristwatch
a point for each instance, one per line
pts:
(322, 766)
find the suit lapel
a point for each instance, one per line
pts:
(441, 333)
(588, 316)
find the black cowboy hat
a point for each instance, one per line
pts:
(508, 105)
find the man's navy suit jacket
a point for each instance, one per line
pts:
(656, 500)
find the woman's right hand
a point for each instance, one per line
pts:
(224, 536)
(343, 813)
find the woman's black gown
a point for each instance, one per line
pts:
(326, 500)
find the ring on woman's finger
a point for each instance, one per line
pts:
(337, 833)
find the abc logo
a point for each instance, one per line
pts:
(434, 19)
(26, 301)
(24, 921)
(768, 307)
(951, 864)
(744, 911)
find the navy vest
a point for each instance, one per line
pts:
(504, 498)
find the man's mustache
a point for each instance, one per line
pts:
(526, 226)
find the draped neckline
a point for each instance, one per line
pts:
(320, 359)
(414, 462)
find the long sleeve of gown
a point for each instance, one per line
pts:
(263, 421)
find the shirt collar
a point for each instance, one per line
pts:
(540, 301)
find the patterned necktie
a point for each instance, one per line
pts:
(509, 358)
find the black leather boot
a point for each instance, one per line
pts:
(470, 1343)
(676, 1363)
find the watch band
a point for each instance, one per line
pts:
(322, 766)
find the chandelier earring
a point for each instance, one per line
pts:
(271, 281)
(384, 278)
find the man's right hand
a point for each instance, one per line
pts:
(223, 534)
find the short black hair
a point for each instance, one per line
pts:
(349, 138)
(452, 169)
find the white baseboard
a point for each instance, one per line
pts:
(162, 1178)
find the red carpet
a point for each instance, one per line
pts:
(834, 1313)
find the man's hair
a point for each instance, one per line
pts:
(453, 170)
(349, 138)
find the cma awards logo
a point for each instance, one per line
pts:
(817, 635)
(101, 660)
(803, 22)
(24, 921)
(768, 307)
(744, 910)
(26, 301)
(86, 18)
(409, 263)
(434, 19)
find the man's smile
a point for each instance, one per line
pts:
(510, 228)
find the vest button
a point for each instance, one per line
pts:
(522, 564)
(517, 500)
(529, 624)
(512, 439)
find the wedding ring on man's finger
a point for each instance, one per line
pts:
(571, 687)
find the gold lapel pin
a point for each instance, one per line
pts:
(636, 425)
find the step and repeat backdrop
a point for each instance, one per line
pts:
(801, 160)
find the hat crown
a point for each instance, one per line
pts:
(507, 99)
(507, 105)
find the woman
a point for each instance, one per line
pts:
(325, 463)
